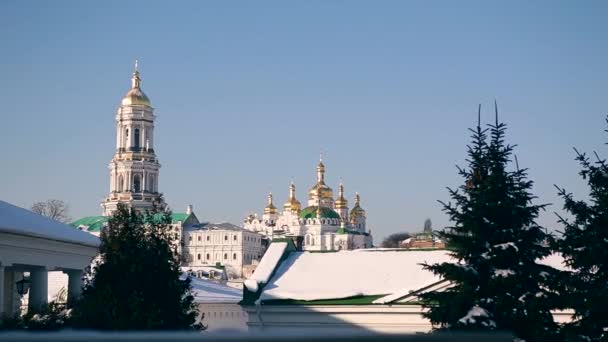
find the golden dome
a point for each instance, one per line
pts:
(135, 96)
(341, 202)
(292, 203)
(357, 211)
(270, 208)
(321, 189)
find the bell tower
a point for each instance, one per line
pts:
(134, 168)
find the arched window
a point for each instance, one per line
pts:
(234, 256)
(208, 256)
(199, 238)
(136, 138)
(136, 183)
(208, 237)
(225, 256)
(198, 257)
(121, 183)
(234, 238)
(225, 237)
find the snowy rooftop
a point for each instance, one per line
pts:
(365, 272)
(206, 291)
(17, 220)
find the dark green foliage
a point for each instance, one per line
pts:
(136, 284)
(498, 284)
(393, 240)
(585, 249)
(52, 317)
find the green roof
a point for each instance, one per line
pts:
(311, 212)
(349, 231)
(93, 223)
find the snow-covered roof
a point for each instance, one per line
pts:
(267, 265)
(364, 272)
(207, 291)
(17, 220)
(389, 274)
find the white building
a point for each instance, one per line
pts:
(366, 290)
(30, 243)
(324, 225)
(221, 244)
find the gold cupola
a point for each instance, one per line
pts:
(292, 204)
(270, 209)
(341, 202)
(321, 189)
(357, 211)
(135, 96)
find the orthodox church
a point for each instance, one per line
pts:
(134, 168)
(324, 224)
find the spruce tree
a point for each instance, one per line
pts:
(135, 284)
(584, 247)
(497, 282)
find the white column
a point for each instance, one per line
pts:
(74, 285)
(39, 289)
(144, 181)
(2, 290)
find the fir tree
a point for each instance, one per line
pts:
(584, 247)
(497, 283)
(136, 282)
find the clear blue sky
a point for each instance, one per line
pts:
(247, 94)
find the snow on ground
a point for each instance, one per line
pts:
(314, 276)
(266, 266)
(206, 291)
(17, 220)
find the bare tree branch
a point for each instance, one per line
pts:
(54, 209)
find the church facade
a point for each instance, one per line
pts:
(325, 224)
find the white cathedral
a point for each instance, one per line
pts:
(324, 225)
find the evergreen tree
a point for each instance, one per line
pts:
(585, 250)
(136, 282)
(497, 281)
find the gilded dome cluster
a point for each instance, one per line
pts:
(321, 203)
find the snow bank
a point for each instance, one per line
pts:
(315, 276)
(268, 263)
(17, 220)
(206, 291)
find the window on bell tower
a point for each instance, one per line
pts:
(136, 183)
(136, 139)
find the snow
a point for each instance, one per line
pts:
(17, 220)
(476, 311)
(503, 273)
(316, 276)
(207, 291)
(506, 245)
(267, 265)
